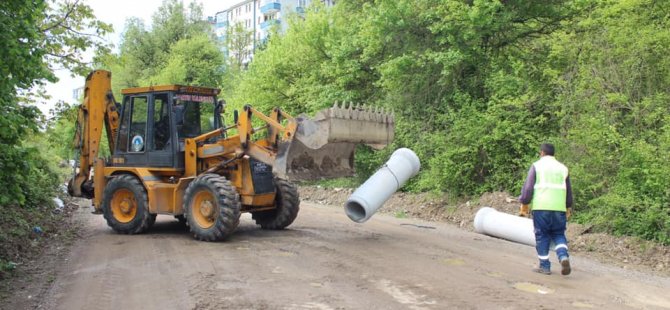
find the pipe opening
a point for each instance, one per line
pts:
(355, 211)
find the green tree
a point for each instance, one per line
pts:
(194, 61)
(238, 44)
(38, 37)
(178, 47)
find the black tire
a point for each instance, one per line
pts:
(212, 207)
(125, 205)
(152, 220)
(182, 219)
(287, 205)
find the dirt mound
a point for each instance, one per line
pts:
(626, 252)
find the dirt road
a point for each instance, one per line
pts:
(326, 261)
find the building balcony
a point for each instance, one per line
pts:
(270, 7)
(266, 25)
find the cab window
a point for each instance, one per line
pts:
(138, 124)
(161, 119)
(194, 115)
(132, 132)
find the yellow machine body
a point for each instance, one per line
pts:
(172, 154)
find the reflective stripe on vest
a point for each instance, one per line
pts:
(549, 192)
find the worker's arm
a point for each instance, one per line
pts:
(527, 193)
(528, 187)
(568, 197)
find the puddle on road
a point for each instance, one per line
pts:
(286, 253)
(405, 295)
(532, 288)
(453, 262)
(578, 304)
(311, 305)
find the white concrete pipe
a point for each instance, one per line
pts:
(507, 226)
(376, 190)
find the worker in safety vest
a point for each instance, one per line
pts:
(548, 192)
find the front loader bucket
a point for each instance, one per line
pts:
(323, 146)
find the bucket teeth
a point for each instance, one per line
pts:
(357, 111)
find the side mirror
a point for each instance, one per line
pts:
(220, 105)
(218, 111)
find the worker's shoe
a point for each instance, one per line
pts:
(565, 266)
(542, 271)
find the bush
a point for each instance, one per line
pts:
(474, 97)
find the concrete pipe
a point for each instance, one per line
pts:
(506, 226)
(376, 190)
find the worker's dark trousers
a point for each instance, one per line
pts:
(549, 226)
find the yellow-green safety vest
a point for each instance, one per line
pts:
(549, 192)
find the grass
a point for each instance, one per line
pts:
(400, 214)
(18, 237)
(6, 266)
(349, 182)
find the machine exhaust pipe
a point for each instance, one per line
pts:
(490, 222)
(377, 189)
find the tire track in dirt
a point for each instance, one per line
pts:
(166, 251)
(110, 283)
(325, 261)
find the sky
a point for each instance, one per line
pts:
(116, 13)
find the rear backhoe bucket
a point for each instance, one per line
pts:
(323, 146)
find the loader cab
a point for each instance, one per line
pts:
(156, 120)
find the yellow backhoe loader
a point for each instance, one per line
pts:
(171, 153)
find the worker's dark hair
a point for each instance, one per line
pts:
(547, 148)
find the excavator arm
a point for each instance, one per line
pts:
(98, 110)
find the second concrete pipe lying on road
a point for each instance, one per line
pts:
(490, 222)
(370, 196)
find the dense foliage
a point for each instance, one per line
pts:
(477, 86)
(37, 37)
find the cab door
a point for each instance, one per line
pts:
(131, 146)
(162, 137)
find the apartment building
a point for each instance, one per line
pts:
(259, 17)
